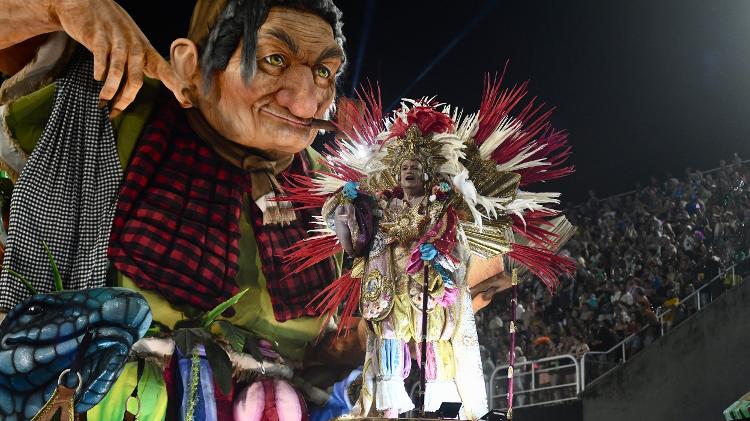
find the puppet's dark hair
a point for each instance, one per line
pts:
(240, 21)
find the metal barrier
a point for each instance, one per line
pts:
(543, 381)
(699, 295)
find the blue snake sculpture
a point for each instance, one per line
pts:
(42, 336)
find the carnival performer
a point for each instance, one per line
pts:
(411, 198)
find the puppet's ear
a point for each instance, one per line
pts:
(184, 59)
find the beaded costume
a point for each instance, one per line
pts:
(471, 203)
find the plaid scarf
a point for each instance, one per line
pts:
(176, 227)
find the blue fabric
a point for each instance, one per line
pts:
(391, 358)
(428, 251)
(205, 405)
(447, 280)
(351, 190)
(338, 404)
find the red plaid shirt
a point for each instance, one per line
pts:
(176, 226)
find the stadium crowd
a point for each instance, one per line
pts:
(638, 255)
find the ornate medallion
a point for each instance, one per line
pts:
(405, 224)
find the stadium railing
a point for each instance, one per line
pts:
(543, 381)
(595, 364)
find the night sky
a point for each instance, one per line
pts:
(644, 87)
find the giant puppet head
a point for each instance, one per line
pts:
(259, 71)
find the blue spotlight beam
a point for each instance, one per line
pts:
(489, 5)
(366, 26)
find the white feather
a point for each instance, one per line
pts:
(469, 192)
(507, 128)
(517, 162)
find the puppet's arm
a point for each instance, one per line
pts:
(486, 278)
(122, 54)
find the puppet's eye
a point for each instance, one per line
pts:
(275, 60)
(322, 71)
(34, 310)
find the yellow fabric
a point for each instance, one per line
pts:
(152, 393)
(403, 327)
(435, 322)
(446, 366)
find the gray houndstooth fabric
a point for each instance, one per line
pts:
(66, 194)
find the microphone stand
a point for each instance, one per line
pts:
(423, 357)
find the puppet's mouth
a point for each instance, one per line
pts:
(295, 121)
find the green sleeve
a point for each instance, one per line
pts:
(27, 117)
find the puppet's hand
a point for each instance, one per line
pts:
(122, 53)
(482, 293)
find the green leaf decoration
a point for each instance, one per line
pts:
(216, 312)
(221, 366)
(183, 340)
(232, 334)
(55, 272)
(21, 278)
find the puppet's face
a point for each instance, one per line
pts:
(297, 59)
(411, 176)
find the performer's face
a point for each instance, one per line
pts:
(297, 59)
(411, 176)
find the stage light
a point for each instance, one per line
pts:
(494, 415)
(448, 410)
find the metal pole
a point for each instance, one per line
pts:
(661, 323)
(699, 296)
(512, 350)
(623, 352)
(583, 371)
(423, 359)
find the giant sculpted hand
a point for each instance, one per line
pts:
(122, 54)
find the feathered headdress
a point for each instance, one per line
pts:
(487, 157)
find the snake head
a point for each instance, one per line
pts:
(42, 336)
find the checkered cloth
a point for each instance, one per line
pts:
(176, 229)
(290, 295)
(66, 193)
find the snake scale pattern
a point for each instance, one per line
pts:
(41, 337)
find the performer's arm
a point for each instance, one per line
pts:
(122, 54)
(343, 215)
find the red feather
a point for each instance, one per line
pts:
(361, 119)
(300, 189)
(308, 252)
(343, 290)
(536, 131)
(543, 263)
(532, 228)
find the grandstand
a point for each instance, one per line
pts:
(649, 261)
